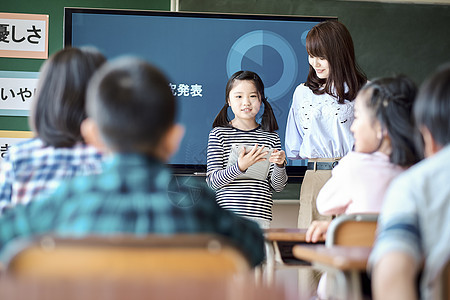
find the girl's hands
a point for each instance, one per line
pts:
(278, 157)
(317, 231)
(255, 155)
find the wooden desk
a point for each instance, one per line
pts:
(347, 262)
(286, 237)
(285, 234)
(340, 257)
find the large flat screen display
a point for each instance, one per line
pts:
(199, 52)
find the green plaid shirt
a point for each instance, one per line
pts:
(134, 194)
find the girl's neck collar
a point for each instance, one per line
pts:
(243, 125)
(245, 130)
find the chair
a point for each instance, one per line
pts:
(179, 255)
(357, 230)
(352, 230)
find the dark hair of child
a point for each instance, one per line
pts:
(59, 106)
(132, 104)
(432, 107)
(332, 41)
(268, 120)
(391, 101)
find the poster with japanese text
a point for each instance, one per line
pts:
(23, 35)
(17, 91)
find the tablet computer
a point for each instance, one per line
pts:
(259, 170)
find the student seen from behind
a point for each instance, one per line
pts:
(58, 152)
(384, 147)
(414, 225)
(131, 111)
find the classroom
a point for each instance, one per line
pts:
(303, 248)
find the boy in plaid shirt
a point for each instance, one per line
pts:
(131, 111)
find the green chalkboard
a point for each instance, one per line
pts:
(410, 39)
(55, 10)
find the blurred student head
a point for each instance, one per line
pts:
(432, 110)
(388, 103)
(59, 107)
(131, 108)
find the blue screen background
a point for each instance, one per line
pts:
(196, 50)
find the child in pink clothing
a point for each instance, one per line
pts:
(384, 147)
(357, 184)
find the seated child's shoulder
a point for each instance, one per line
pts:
(432, 167)
(25, 149)
(357, 162)
(356, 158)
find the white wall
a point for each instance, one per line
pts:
(285, 213)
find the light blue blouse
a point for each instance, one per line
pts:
(318, 126)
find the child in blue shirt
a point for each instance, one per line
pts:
(414, 225)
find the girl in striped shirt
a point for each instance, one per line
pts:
(244, 195)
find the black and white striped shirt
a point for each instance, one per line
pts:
(246, 197)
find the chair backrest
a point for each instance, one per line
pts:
(352, 230)
(193, 255)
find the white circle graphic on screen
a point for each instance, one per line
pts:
(252, 46)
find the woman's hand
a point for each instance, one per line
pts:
(317, 231)
(278, 157)
(250, 158)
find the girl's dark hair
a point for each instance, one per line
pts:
(268, 120)
(59, 106)
(432, 107)
(332, 41)
(391, 101)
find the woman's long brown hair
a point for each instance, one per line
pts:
(332, 41)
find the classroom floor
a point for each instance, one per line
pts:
(285, 215)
